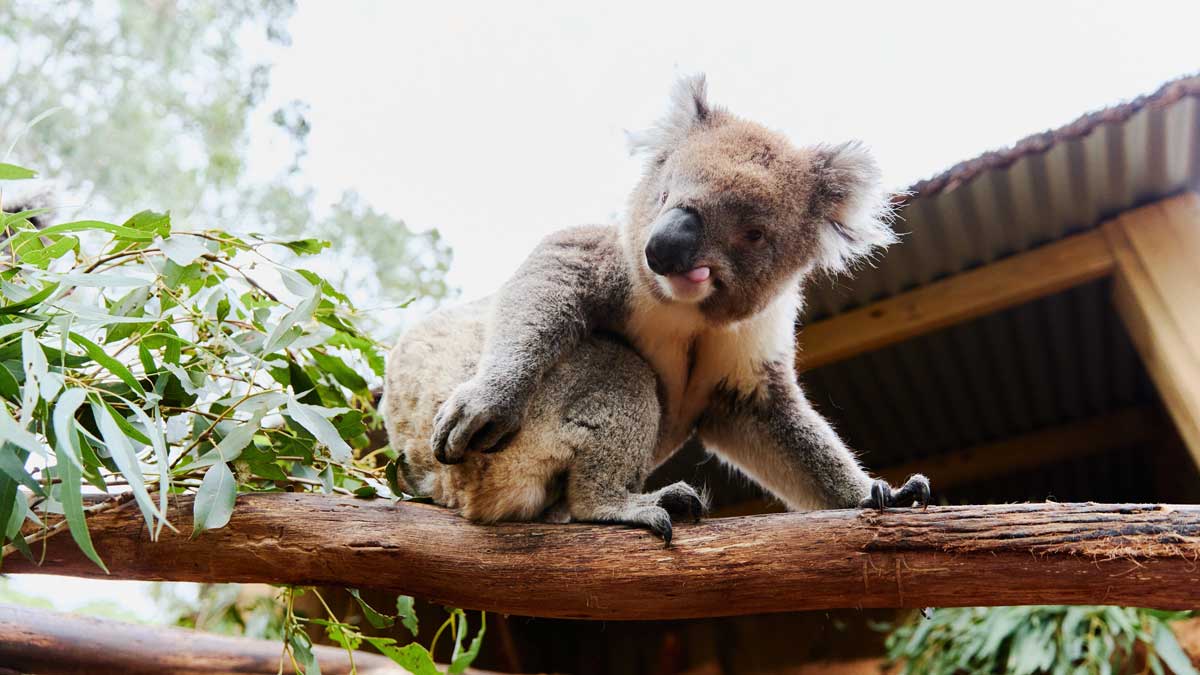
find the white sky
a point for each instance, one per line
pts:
(498, 122)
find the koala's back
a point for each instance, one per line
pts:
(597, 412)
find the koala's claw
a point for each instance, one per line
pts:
(472, 420)
(914, 491)
(662, 528)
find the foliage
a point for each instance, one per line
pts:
(141, 360)
(247, 610)
(156, 103)
(1042, 639)
(412, 656)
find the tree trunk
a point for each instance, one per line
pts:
(1015, 554)
(49, 643)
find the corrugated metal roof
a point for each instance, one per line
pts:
(1042, 188)
(1050, 362)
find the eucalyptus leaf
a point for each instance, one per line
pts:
(110, 364)
(126, 460)
(407, 613)
(71, 487)
(1168, 649)
(322, 429)
(14, 172)
(412, 657)
(215, 499)
(373, 617)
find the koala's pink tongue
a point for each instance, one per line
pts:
(697, 275)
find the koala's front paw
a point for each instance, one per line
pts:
(914, 491)
(475, 417)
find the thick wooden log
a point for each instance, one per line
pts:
(50, 643)
(945, 556)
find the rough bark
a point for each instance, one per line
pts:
(50, 643)
(1128, 554)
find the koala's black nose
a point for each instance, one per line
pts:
(674, 242)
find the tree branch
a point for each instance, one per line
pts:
(1144, 555)
(37, 640)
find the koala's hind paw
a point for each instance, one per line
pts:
(682, 501)
(915, 491)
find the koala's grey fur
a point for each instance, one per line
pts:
(588, 370)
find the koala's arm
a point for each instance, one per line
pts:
(780, 441)
(571, 284)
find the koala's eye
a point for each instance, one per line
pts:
(662, 199)
(753, 235)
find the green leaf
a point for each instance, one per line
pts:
(302, 650)
(31, 301)
(42, 257)
(373, 617)
(322, 429)
(182, 250)
(127, 462)
(94, 225)
(150, 221)
(9, 495)
(64, 424)
(462, 661)
(412, 657)
(69, 472)
(342, 634)
(344, 374)
(14, 172)
(110, 364)
(366, 492)
(14, 468)
(1168, 649)
(215, 499)
(391, 472)
(306, 246)
(406, 611)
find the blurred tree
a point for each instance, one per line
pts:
(153, 101)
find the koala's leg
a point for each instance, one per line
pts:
(611, 423)
(593, 499)
(780, 441)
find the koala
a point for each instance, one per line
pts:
(612, 346)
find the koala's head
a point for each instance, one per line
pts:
(729, 214)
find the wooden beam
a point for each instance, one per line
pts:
(1121, 429)
(50, 643)
(1011, 554)
(1157, 294)
(1005, 283)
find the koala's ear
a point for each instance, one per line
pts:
(853, 209)
(688, 108)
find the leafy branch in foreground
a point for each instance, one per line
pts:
(142, 360)
(1039, 639)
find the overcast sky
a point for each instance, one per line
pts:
(497, 122)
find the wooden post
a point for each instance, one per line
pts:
(944, 556)
(1157, 293)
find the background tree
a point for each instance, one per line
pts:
(153, 104)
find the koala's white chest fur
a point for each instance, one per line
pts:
(693, 357)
